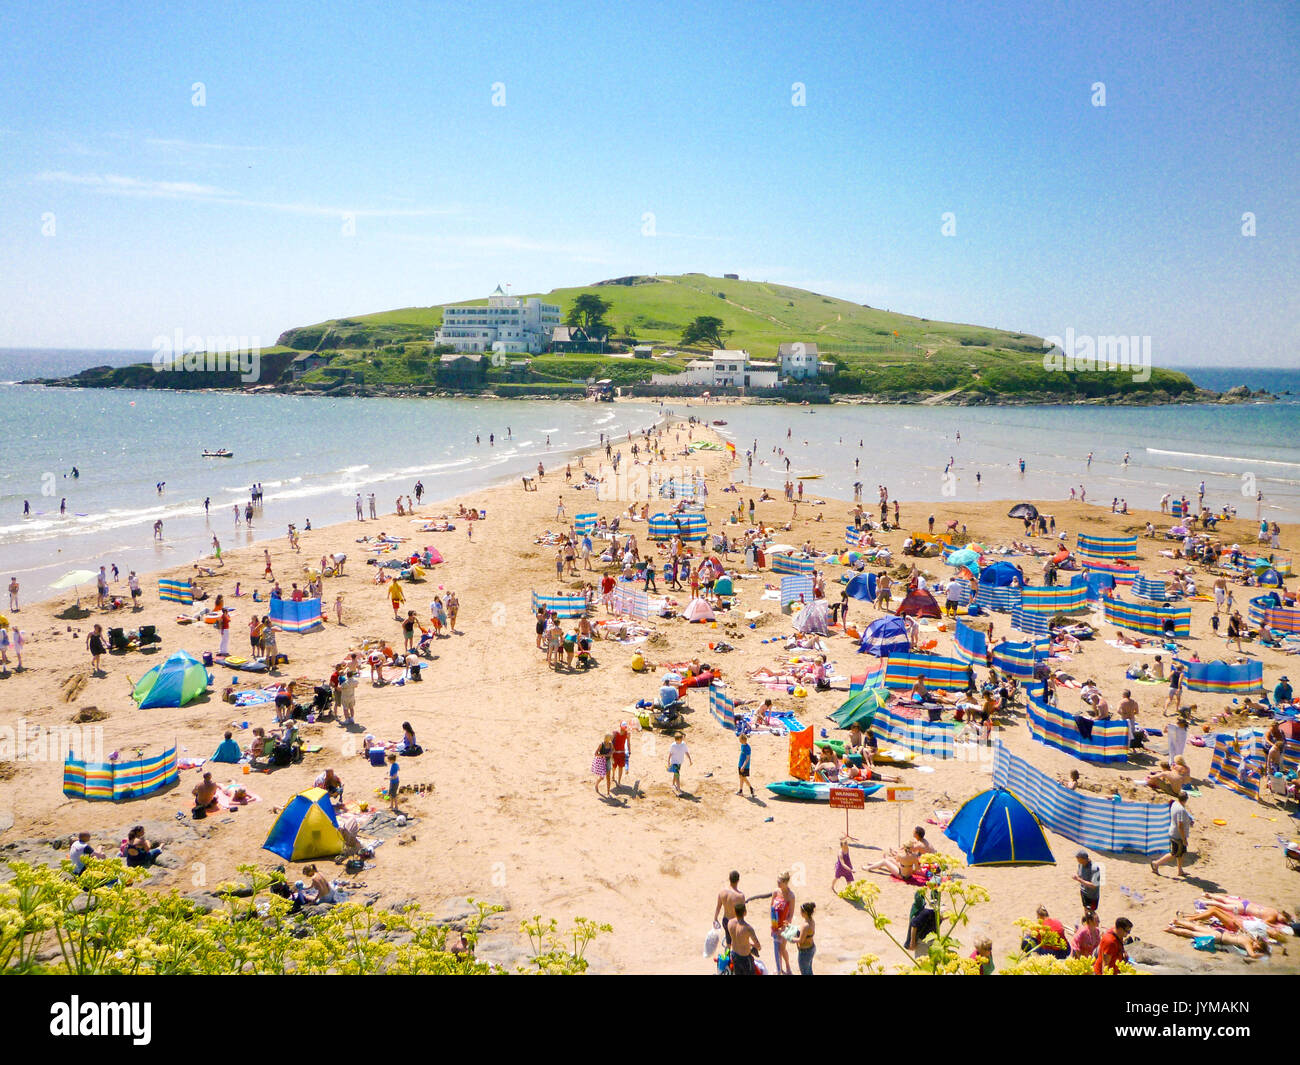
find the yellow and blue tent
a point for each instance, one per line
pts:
(996, 828)
(306, 829)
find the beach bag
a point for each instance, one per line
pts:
(711, 942)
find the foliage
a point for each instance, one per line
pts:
(556, 953)
(588, 311)
(105, 923)
(949, 897)
(705, 329)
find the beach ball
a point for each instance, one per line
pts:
(638, 662)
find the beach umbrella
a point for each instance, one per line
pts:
(965, 558)
(74, 579)
(861, 707)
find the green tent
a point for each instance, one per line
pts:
(179, 680)
(861, 707)
(723, 586)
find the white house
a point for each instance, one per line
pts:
(723, 369)
(799, 361)
(507, 323)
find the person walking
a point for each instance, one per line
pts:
(602, 764)
(13, 594)
(744, 943)
(1180, 828)
(95, 645)
(1088, 877)
(223, 625)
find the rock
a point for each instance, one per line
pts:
(204, 900)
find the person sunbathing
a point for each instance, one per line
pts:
(1245, 908)
(1125, 640)
(1172, 778)
(867, 774)
(1254, 946)
(828, 766)
(902, 862)
(1234, 922)
(320, 891)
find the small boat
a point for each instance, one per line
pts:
(220, 453)
(719, 423)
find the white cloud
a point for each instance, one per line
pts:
(147, 188)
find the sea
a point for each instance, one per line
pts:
(312, 455)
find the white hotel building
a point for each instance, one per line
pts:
(507, 323)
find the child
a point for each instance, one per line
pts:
(676, 753)
(743, 768)
(338, 608)
(392, 781)
(843, 866)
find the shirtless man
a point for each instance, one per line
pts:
(205, 793)
(744, 943)
(728, 899)
(1128, 711)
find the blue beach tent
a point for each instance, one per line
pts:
(885, 637)
(996, 828)
(862, 586)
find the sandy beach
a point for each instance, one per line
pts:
(510, 814)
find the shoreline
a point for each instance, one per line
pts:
(1201, 397)
(512, 817)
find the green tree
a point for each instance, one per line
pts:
(706, 329)
(588, 311)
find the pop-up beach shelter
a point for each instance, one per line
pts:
(996, 828)
(919, 603)
(698, 610)
(1002, 575)
(814, 618)
(885, 636)
(178, 681)
(862, 586)
(1023, 510)
(306, 829)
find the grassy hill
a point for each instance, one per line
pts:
(877, 352)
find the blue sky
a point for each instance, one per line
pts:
(228, 219)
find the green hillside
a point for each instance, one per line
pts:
(877, 352)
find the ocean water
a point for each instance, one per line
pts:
(1238, 450)
(312, 455)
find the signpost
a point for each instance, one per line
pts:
(898, 793)
(847, 799)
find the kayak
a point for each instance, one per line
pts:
(810, 792)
